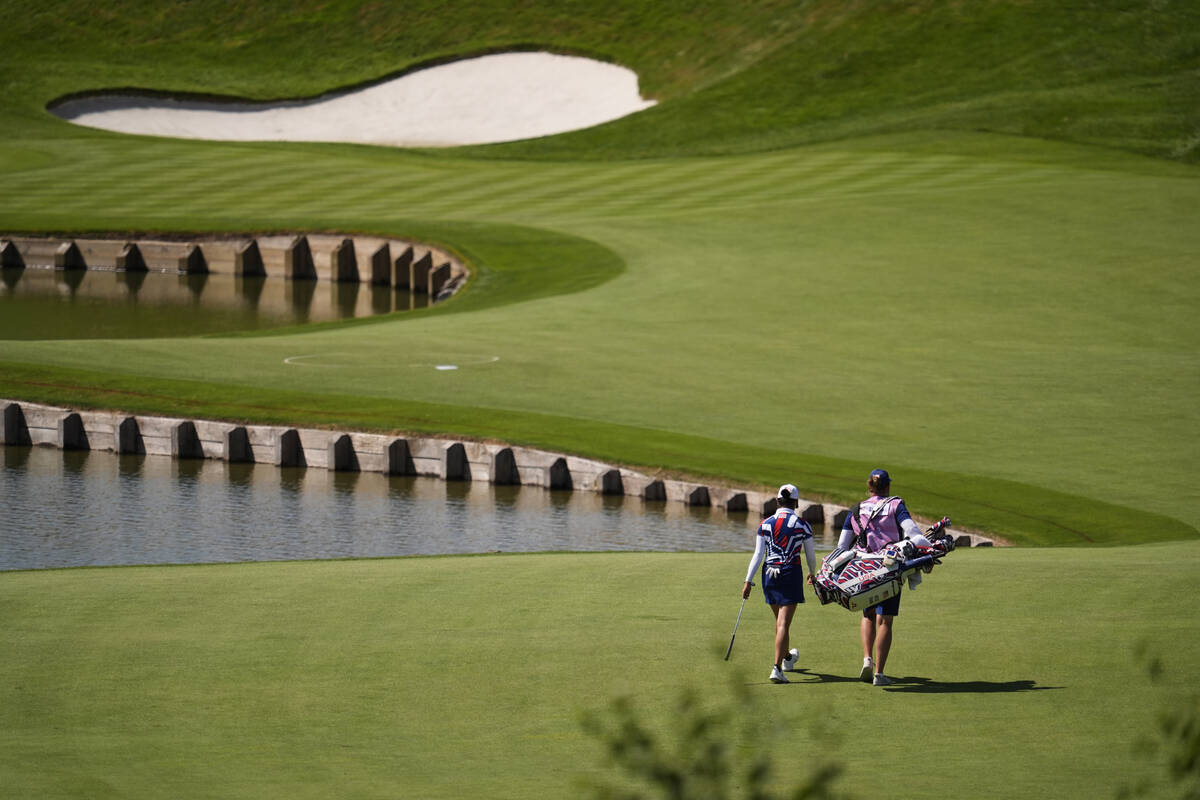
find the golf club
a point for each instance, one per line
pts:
(735, 627)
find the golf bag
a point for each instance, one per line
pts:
(856, 580)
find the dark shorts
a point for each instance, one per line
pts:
(888, 608)
(784, 589)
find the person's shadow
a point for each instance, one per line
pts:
(930, 686)
(804, 675)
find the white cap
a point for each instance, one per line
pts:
(788, 492)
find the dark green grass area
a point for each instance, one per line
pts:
(453, 677)
(1119, 74)
(731, 77)
(1028, 514)
(266, 51)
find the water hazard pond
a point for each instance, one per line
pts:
(71, 509)
(98, 304)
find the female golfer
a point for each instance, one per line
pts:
(780, 539)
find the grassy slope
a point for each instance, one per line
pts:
(454, 677)
(738, 78)
(1118, 74)
(1047, 269)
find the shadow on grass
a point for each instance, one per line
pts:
(804, 676)
(928, 685)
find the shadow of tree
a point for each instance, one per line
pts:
(709, 746)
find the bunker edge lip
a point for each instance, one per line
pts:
(484, 99)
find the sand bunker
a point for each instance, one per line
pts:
(496, 98)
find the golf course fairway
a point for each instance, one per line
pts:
(957, 241)
(1018, 674)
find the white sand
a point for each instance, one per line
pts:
(496, 98)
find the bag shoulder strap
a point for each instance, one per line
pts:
(860, 524)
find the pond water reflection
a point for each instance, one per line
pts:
(64, 509)
(41, 303)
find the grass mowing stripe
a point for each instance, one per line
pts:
(749, 186)
(718, 181)
(709, 182)
(967, 181)
(705, 182)
(660, 184)
(499, 200)
(558, 198)
(883, 184)
(597, 190)
(922, 173)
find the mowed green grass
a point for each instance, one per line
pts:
(823, 251)
(1005, 323)
(995, 317)
(1018, 670)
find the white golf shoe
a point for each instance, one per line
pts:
(882, 680)
(777, 675)
(789, 663)
(867, 671)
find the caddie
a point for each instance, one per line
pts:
(870, 526)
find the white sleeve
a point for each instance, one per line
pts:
(810, 554)
(913, 532)
(845, 540)
(760, 549)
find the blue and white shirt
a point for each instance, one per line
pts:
(781, 538)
